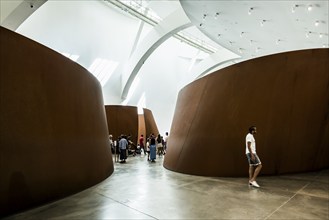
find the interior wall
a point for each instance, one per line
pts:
(285, 95)
(161, 77)
(53, 132)
(125, 120)
(92, 29)
(151, 126)
(141, 127)
(122, 120)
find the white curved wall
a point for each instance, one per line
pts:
(92, 30)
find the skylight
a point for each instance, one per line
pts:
(102, 69)
(141, 104)
(139, 9)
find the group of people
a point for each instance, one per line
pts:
(154, 145)
(158, 145)
(151, 146)
(123, 145)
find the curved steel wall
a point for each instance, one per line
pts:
(150, 124)
(124, 120)
(285, 95)
(54, 137)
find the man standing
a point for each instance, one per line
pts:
(255, 165)
(123, 143)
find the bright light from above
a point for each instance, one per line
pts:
(294, 8)
(250, 11)
(71, 56)
(193, 60)
(309, 8)
(262, 23)
(141, 104)
(142, 7)
(102, 69)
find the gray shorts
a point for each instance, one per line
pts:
(255, 162)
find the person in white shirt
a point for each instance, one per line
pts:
(255, 165)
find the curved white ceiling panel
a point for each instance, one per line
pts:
(174, 23)
(257, 28)
(15, 12)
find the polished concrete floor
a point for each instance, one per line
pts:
(139, 189)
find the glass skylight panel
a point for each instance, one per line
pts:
(140, 10)
(102, 69)
(141, 7)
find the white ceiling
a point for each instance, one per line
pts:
(287, 25)
(15, 12)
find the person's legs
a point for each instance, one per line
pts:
(258, 167)
(251, 167)
(256, 172)
(122, 155)
(251, 172)
(254, 169)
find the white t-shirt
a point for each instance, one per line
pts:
(250, 138)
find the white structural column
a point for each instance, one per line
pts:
(172, 24)
(213, 61)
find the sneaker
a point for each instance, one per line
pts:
(250, 184)
(254, 183)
